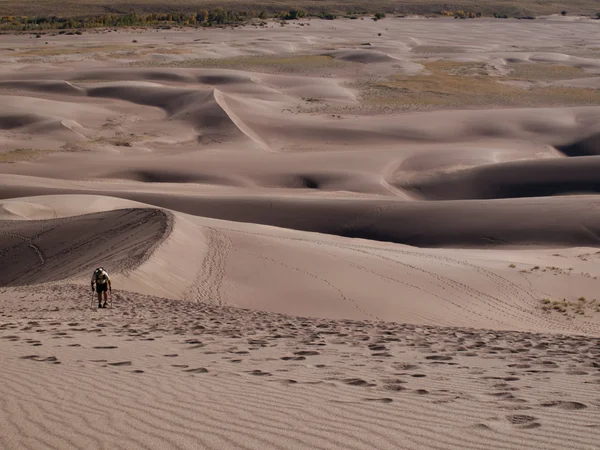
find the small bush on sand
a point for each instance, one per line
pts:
(292, 14)
(379, 15)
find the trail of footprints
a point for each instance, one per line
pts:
(399, 359)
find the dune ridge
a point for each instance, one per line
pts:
(32, 244)
(501, 222)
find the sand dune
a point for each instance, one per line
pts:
(46, 251)
(44, 86)
(589, 145)
(529, 178)
(560, 221)
(210, 262)
(316, 238)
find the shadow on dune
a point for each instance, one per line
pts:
(39, 251)
(584, 147)
(547, 222)
(170, 176)
(518, 179)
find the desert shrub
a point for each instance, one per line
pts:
(292, 14)
(379, 15)
(598, 15)
(563, 13)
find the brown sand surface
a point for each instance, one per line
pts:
(331, 234)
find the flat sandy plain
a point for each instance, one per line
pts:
(331, 234)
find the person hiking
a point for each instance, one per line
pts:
(103, 284)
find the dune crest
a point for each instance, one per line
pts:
(60, 249)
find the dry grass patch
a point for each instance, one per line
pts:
(545, 72)
(71, 50)
(143, 51)
(450, 84)
(21, 154)
(571, 308)
(437, 49)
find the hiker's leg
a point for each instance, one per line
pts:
(99, 295)
(105, 297)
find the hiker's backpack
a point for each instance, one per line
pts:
(100, 275)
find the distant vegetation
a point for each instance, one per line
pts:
(218, 16)
(67, 18)
(205, 18)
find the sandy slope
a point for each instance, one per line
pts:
(291, 270)
(154, 373)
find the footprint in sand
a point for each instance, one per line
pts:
(439, 358)
(171, 355)
(405, 366)
(569, 406)
(380, 400)
(106, 347)
(52, 359)
(376, 347)
(286, 381)
(394, 387)
(121, 363)
(293, 358)
(197, 370)
(358, 382)
(259, 372)
(307, 353)
(523, 421)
